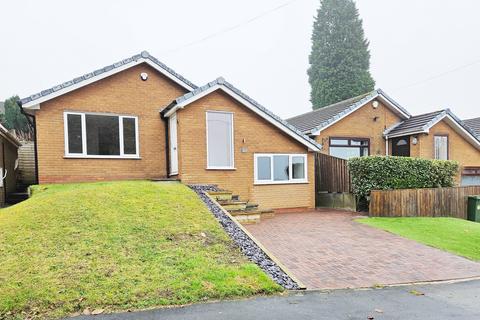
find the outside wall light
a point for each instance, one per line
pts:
(414, 141)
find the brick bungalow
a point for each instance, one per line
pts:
(139, 119)
(374, 124)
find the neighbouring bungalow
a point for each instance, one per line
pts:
(139, 119)
(374, 124)
(8, 165)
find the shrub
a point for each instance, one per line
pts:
(384, 173)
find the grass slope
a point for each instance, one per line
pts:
(457, 236)
(116, 246)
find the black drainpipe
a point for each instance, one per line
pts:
(33, 122)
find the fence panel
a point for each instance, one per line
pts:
(434, 202)
(331, 174)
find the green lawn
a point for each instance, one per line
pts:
(458, 236)
(116, 246)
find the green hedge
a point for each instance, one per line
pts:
(384, 173)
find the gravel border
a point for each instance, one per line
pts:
(243, 241)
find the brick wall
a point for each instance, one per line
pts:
(459, 149)
(361, 124)
(250, 132)
(122, 93)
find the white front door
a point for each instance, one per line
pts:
(173, 144)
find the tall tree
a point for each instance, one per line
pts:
(340, 59)
(13, 117)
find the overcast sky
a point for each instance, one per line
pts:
(425, 54)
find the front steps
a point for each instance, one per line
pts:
(243, 211)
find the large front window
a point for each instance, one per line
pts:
(441, 147)
(280, 168)
(99, 135)
(219, 140)
(346, 148)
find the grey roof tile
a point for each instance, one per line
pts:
(416, 123)
(223, 82)
(423, 122)
(320, 118)
(474, 125)
(144, 55)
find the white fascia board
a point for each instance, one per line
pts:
(452, 122)
(35, 104)
(249, 105)
(389, 136)
(385, 100)
(316, 132)
(467, 135)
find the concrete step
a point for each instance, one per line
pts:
(221, 195)
(232, 206)
(251, 206)
(246, 217)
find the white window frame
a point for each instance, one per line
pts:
(84, 136)
(290, 171)
(435, 146)
(232, 167)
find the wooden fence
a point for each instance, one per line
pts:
(331, 174)
(438, 202)
(26, 163)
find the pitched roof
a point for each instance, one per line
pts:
(423, 122)
(8, 136)
(321, 118)
(101, 73)
(474, 125)
(414, 124)
(222, 84)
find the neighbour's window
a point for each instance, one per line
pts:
(98, 135)
(470, 176)
(441, 147)
(220, 140)
(280, 168)
(346, 148)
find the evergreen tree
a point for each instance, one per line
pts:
(340, 59)
(13, 117)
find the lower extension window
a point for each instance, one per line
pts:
(93, 135)
(280, 168)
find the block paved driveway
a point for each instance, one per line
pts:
(328, 250)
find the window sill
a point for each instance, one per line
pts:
(221, 168)
(260, 183)
(102, 157)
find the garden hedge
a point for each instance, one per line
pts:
(385, 173)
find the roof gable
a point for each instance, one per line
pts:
(424, 122)
(32, 102)
(315, 121)
(222, 84)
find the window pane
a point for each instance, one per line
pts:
(298, 167)
(280, 168)
(345, 152)
(129, 143)
(359, 142)
(339, 142)
(102, 135)
(264, 168)
(74, 125)
(441, 147)
(470, 181)
(220, 148)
